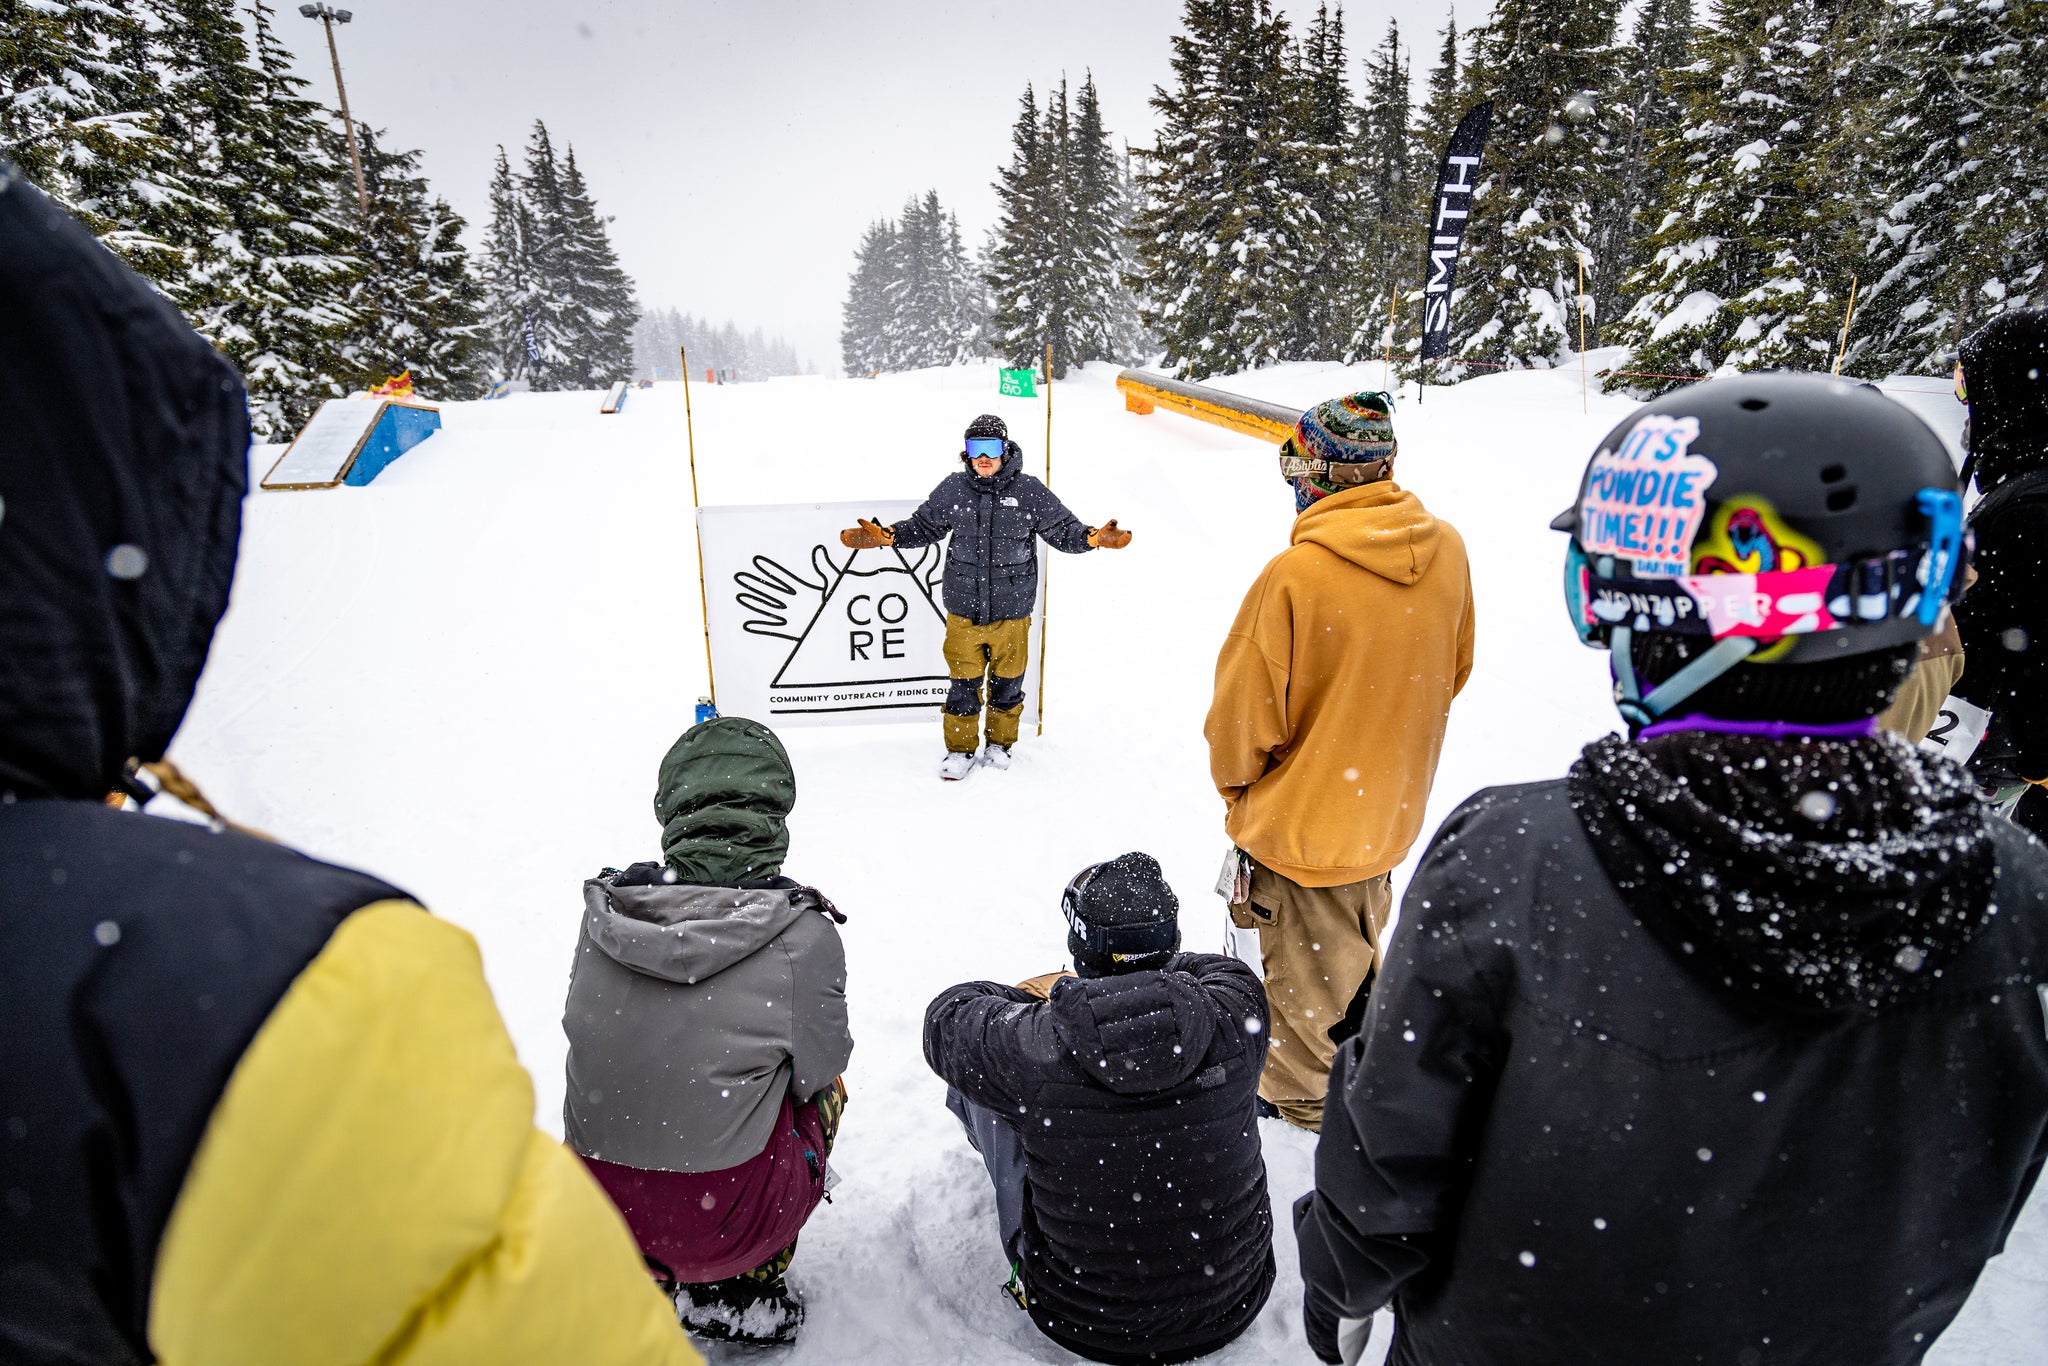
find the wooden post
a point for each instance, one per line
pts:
(1842, 347)
(697, 504)
(1387, 364)
(1047, 613)
(1584, 401)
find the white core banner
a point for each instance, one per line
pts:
(806, 632)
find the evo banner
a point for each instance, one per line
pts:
(1450, 213)
(806, 632)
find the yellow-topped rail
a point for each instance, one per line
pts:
(1144, 391)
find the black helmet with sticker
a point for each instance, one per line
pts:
(1773, 518)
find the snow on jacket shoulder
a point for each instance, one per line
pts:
(1335, 684)
(991, 562)
(1554, 1143)
(1147, 1232)
(692, 1012)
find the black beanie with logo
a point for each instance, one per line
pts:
(1121, 916)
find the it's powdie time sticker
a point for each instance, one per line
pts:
(1644, 501)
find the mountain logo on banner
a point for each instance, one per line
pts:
(864, 631)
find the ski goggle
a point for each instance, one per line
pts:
(986, 447)
(1962, 389)
(1778, 603)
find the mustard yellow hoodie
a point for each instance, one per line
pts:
(1334, 686)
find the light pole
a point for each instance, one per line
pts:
(330, 16)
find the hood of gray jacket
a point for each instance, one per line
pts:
(683, 933)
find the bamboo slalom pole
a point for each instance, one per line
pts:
(1047, 589)
(1387, 362)
(697, 519)
(1842, 347)
(1584, 401)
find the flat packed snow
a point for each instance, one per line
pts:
(462, 677)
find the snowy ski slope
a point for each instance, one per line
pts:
(462, 677)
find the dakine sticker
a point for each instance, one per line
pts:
(1644, 501)
(807, 632)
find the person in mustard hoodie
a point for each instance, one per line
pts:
(1331, 696)
(255, 1110)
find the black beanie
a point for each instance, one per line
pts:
(988, 424)
(1121, 916)
(1825, 692)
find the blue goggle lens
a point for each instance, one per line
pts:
(985, 447)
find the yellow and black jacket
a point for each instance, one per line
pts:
(253, 1108)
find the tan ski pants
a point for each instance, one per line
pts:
(998, 650)
(1319, 944)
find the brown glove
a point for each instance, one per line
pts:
(1042, 985)
(1108, 536)
(866, 536)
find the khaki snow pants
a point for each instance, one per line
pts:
(999, 650)
(1319, 945)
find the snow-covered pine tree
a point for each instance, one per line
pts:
(1221, 233)
(1386, 256)
(508, 279)
(1441, 109)
(967, 306)
(1094, 237)
(1543, 64)
(1322, 146)
(1963, 237)
(1024, 293)
(417, 298)
(864, 319)
(272, 288)
(1131, 342)
(81, 106)
(1644, 107)
(1754, 241)
(550, 302)
(599, 314)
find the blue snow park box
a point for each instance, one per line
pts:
(350, 441)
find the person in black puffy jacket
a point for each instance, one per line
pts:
(1114, 1110)
(993, 511)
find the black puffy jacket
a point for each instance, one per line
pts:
(1147, 1233)
(2004, 624)
(1574, 1132)
(992, 565)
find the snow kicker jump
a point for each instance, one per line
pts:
(1144, 391)
(805, 632)
(350, 441)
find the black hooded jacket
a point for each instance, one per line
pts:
(1147, 1233)
(1757, 1073)
(992, 565)
(2003, 619)
(138, 957)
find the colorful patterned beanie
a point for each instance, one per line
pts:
(1355, 430)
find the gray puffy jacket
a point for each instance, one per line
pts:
(692, 1012)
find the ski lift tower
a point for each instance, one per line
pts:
(329, 16)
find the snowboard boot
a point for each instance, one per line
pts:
(956, 766)
(996, 756)
(740, 1310)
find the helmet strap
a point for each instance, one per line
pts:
(1639, 710)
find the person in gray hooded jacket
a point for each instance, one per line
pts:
(707, 1031)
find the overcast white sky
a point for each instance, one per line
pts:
(740, 146)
